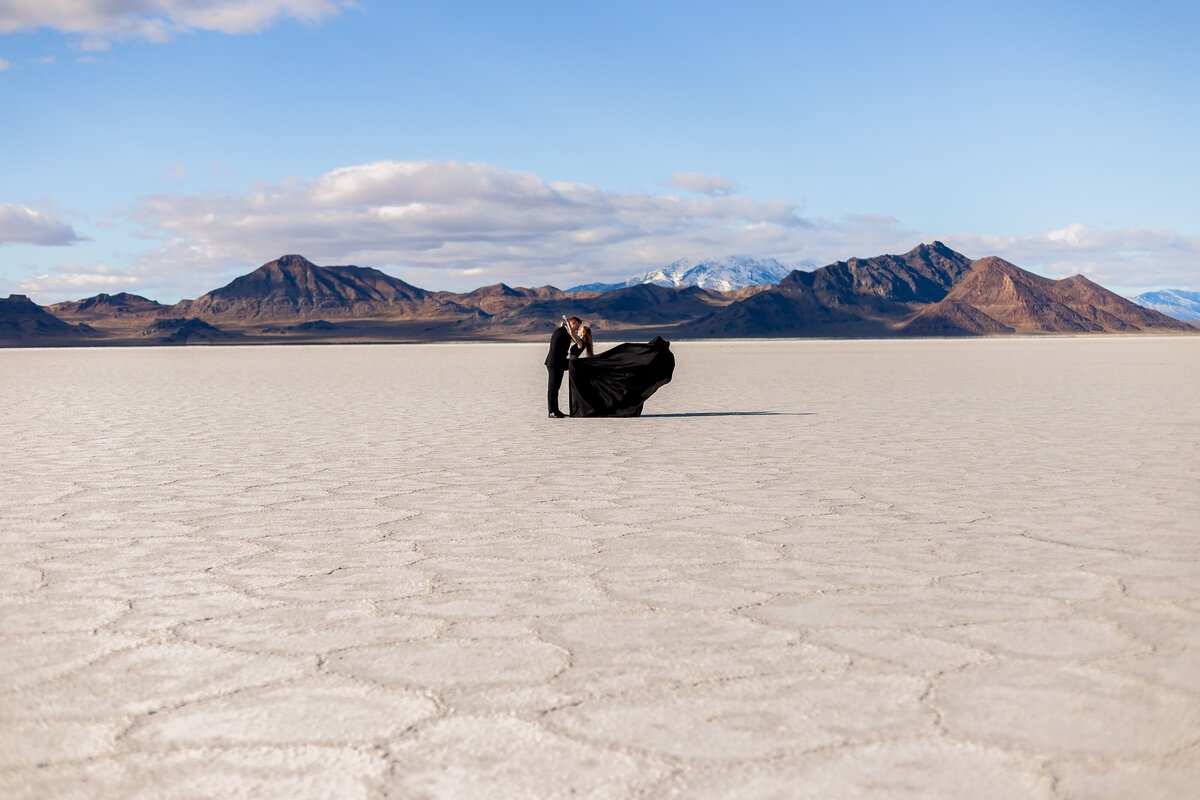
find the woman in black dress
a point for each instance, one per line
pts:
(618, 381)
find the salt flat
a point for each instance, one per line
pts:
(903, 569)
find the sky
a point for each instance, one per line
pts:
(164, 147)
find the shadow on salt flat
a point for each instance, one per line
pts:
(735, 414)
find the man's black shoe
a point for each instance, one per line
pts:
(556, 415)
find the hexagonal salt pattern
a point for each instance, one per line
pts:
(934, 569)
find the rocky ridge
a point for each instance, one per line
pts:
(929, 291)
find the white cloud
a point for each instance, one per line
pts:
(4, 65)
(451, 225)
(24, 225)
(158, 20)
(703, 184)
(445, 221)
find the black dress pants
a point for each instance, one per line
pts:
(552, 391)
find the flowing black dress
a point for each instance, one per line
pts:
(618, 381)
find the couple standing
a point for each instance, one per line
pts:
(613, 384)
(566, 344)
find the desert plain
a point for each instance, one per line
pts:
(826, 569)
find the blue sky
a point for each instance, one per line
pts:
(459, 144)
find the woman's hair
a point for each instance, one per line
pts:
(585, 336)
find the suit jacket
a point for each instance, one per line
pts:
(560, 346)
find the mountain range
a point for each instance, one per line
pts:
(929, 291)
(1176, 303)
(721, 275)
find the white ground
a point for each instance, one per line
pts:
(826, 569)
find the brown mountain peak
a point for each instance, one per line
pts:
(922, 275)
(933, 248)
(1024, 301)
(292, 287)
(495, 290)
(998, 263)
(290, 262)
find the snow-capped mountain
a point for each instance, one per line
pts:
(719, 274)
(1177, 303)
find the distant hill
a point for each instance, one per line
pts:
(293, 287)
(929, 291)
(108, 305)
(951, 318)
(499, 298)
(1178, 303)
(648, 304)
(1009, 296)
(186, 331)
(1029, 302)
(24, 321)
(720, 275)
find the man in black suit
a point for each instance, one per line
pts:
(556, 361)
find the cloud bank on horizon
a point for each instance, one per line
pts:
(410, 140)
(460, 225)
(442, 220)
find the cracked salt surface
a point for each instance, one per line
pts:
(861, 569)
